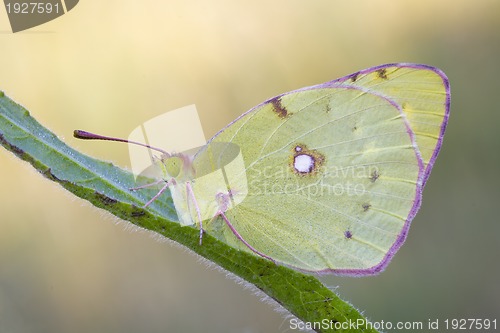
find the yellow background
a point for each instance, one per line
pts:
(107, 66)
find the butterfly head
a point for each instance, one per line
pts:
(178, 166)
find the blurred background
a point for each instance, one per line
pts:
(108, 66)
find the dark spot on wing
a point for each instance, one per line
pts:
(354, 77)
(328, 108)
(366, 206)
(374, 176)
(348, 234)
(382, 73)
(279, 109)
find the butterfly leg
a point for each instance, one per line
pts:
(146, 185)
(160, 192)
(193, 198)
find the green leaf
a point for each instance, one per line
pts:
(107, 187)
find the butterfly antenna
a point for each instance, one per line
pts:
(79, 134)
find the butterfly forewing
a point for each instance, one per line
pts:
(423, 92)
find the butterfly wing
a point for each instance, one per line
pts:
(332, 174)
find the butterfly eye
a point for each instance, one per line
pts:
(173, 166)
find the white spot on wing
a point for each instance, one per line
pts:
(303, 163)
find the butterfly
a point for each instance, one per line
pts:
(324, 179)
